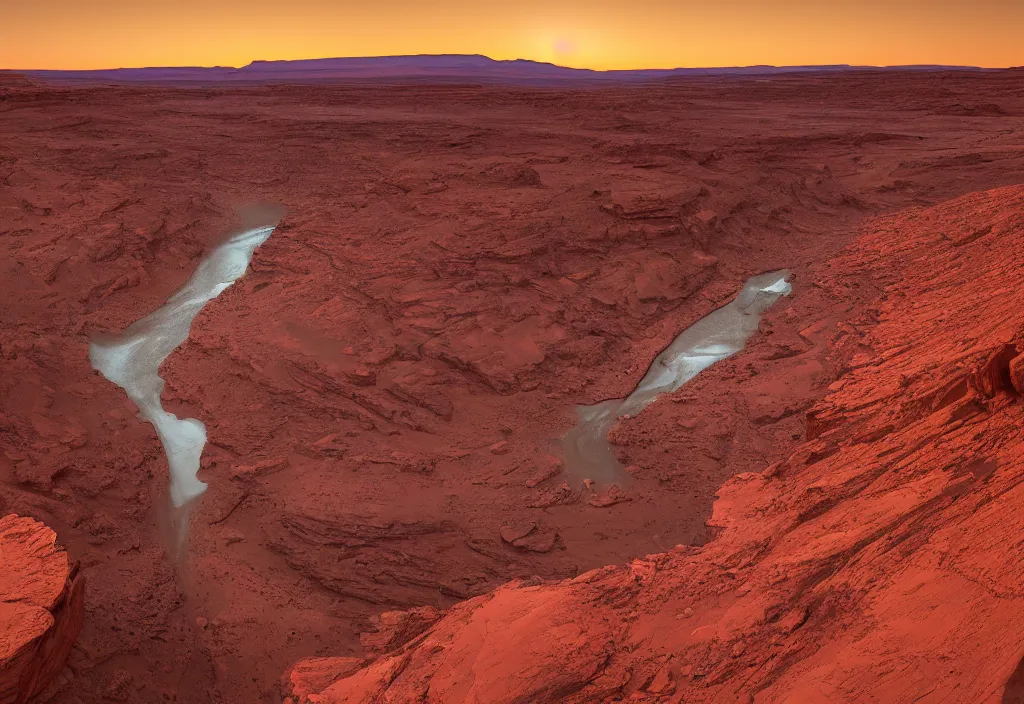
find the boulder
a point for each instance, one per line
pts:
(41, 607)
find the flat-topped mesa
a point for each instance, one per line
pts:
(132, 360)
(41, 608)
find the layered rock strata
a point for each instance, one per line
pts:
(41, 608)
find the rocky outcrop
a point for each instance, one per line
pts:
(41, 608)
(881, 561)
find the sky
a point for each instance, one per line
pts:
(598, 34)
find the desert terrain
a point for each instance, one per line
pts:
(828, 513)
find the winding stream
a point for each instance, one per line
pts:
(717, 336)
(132, 359)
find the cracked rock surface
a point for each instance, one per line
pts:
(41, 608)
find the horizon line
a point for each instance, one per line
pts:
(508, 61)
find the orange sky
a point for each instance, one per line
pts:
(597, 34)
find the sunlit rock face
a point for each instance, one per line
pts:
(132, 360)
(42, 608)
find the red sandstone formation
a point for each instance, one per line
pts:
(41, 608)
(880, 561)
(384, 389)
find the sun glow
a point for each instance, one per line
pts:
(599, 34)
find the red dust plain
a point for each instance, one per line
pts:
(831, 515)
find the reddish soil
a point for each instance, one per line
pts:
(457, 268)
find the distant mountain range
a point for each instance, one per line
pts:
(425, 67)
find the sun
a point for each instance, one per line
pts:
(564, 47)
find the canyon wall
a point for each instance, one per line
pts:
(459, 266)
(880, 561)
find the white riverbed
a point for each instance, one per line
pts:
(717, 336)
(132, 360)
